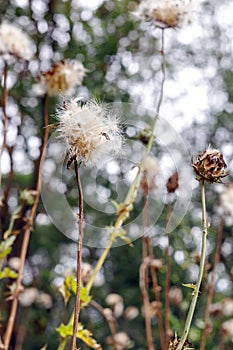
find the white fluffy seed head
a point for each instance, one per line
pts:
(62, 78)
(90, 131)
(14, 42)
(164, 13)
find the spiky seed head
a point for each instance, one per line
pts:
(210, 166)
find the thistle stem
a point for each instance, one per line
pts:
(79, 257)
(5, 118)
(201, 271)
(27, 233)
(211, 285)
(167, 279)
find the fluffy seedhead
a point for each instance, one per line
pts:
(90, 131)
(164, 13)
(62, 78)
(14, 42)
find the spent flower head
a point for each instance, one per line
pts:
(14, 42)
(163, 13)
(209, 166)
(62, 77)
(90, 131)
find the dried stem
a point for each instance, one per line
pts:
(5, 120)
(211, 285)
(146, 302)
(167, 280)
(27, 233)
(79, 257)
(201, 270)
(110, 320)
(144, 276)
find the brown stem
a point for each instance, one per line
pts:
(27, 233)
(211, 284)
(144, 275)
(110, 320)
(79, 257)
(167, 281)
(148, 251)
(146, 302)
(5, 120)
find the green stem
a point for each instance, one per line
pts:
(201, 271)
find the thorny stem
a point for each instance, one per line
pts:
(110, 320)
(167, 280)
(26, 237)
(211, 285)
(79, 257)
(132, 193)
(201, 271)
(5, 120)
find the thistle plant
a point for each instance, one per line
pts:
(209, 167)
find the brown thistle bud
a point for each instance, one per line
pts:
(173, 183)
(209, 166)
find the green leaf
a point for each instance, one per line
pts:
(6, 246)
(8, 273)
(69, 285)
(86, 336)
(65, 330)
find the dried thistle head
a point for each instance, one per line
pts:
(173, 183)
(62, 77)
(209, 166)
(164, 13)
(176, 341)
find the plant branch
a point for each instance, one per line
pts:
(5, 118)
(143, 271)
(110, 320)
(79, 257)
(201, 270)
(27, 233)
(211, 285)
(167, 279)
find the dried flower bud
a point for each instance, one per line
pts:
(173, 183)
(86, 271)
(163, 13)
(209, 166)
(151, 169)
(175, 295)
(62, 78)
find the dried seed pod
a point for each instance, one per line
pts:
(173, 183)
(209, 166)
